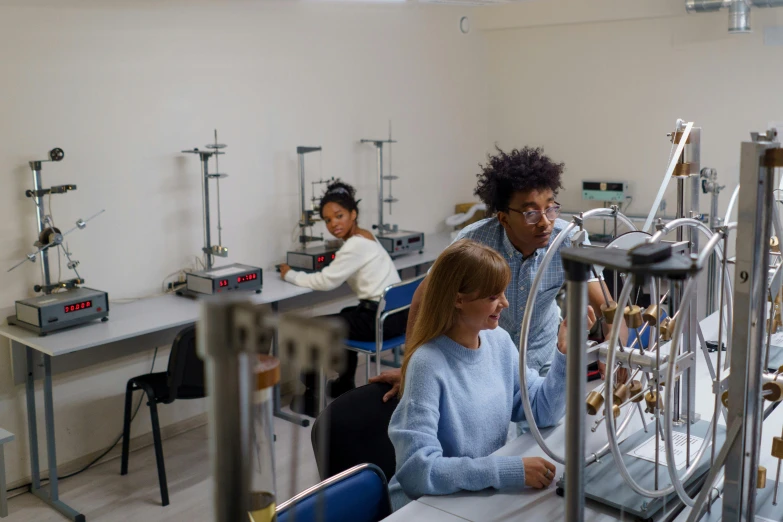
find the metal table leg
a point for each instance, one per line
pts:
(48, 494)
(296, 419)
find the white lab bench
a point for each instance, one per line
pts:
(492, 505)
(136, 322)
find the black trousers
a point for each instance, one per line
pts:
(361, 327)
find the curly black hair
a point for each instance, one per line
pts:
(341, 193)
(516, 171)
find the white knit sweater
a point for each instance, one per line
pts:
(363, 263)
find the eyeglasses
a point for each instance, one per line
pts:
(532, 217)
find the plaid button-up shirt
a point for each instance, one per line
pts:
(546, 316)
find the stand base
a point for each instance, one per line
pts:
(604, 484)
(765, 511)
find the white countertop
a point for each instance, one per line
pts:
(153, 314)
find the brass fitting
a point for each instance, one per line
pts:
(775, 390)
(633, 316)
(636, 389)
(608, 311)
(761, 478)
(594, 402)
(650, 315)
(621, 394)
(724, 398)
(651, 398)
(667, 328)
(777, 447)
(774, 244)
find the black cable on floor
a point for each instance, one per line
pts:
(99, 457)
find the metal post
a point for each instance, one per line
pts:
(208, 260)
(229, 386)
(576, 383)
(51, 451)
(302, 217)
(3, 492)
(750, 283)
(40, 216)
(713, 274)
(693, 313)
(32, 423)
(379, 146)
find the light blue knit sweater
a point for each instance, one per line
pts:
(455, 413)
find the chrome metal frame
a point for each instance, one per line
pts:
(380, 319)
(333, 480)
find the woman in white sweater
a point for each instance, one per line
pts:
(367, 268)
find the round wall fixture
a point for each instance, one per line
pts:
(464, 25)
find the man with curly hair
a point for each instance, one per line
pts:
(519, 189)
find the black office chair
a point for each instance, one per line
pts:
(184, 379)
(353, 430)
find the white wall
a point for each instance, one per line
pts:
(123, 89)
(600, 86)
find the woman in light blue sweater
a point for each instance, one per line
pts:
(460, 385)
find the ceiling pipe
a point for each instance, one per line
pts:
(739, 10)
(739, 16)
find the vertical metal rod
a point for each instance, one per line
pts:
(32, 423)
(576, 382)
(302, 217)
(3, 492)
(656, 411)
(205, 202)
(217, 185)
(229, 386)
(713, 275)
(49, 425)
(745, 405)
(40, 217)
(720, 350)
(391, 195)
(769, 325)
(641, 414)
(379, 146)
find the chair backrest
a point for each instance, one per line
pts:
(354, 429)
(186, 369)
(399, 295)
(359, 494)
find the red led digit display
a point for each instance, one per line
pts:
(77, 306)
(321, 259)
(247, 277)
(223, 283)
(333, 256)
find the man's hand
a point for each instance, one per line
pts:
(392, 377)
(562, 332)
(284, 269)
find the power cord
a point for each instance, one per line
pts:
(99, 457)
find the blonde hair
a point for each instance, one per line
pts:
(465, 267)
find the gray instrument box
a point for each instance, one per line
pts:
(52, 312)
(402, 242)
(312, 259)
(225, 278)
